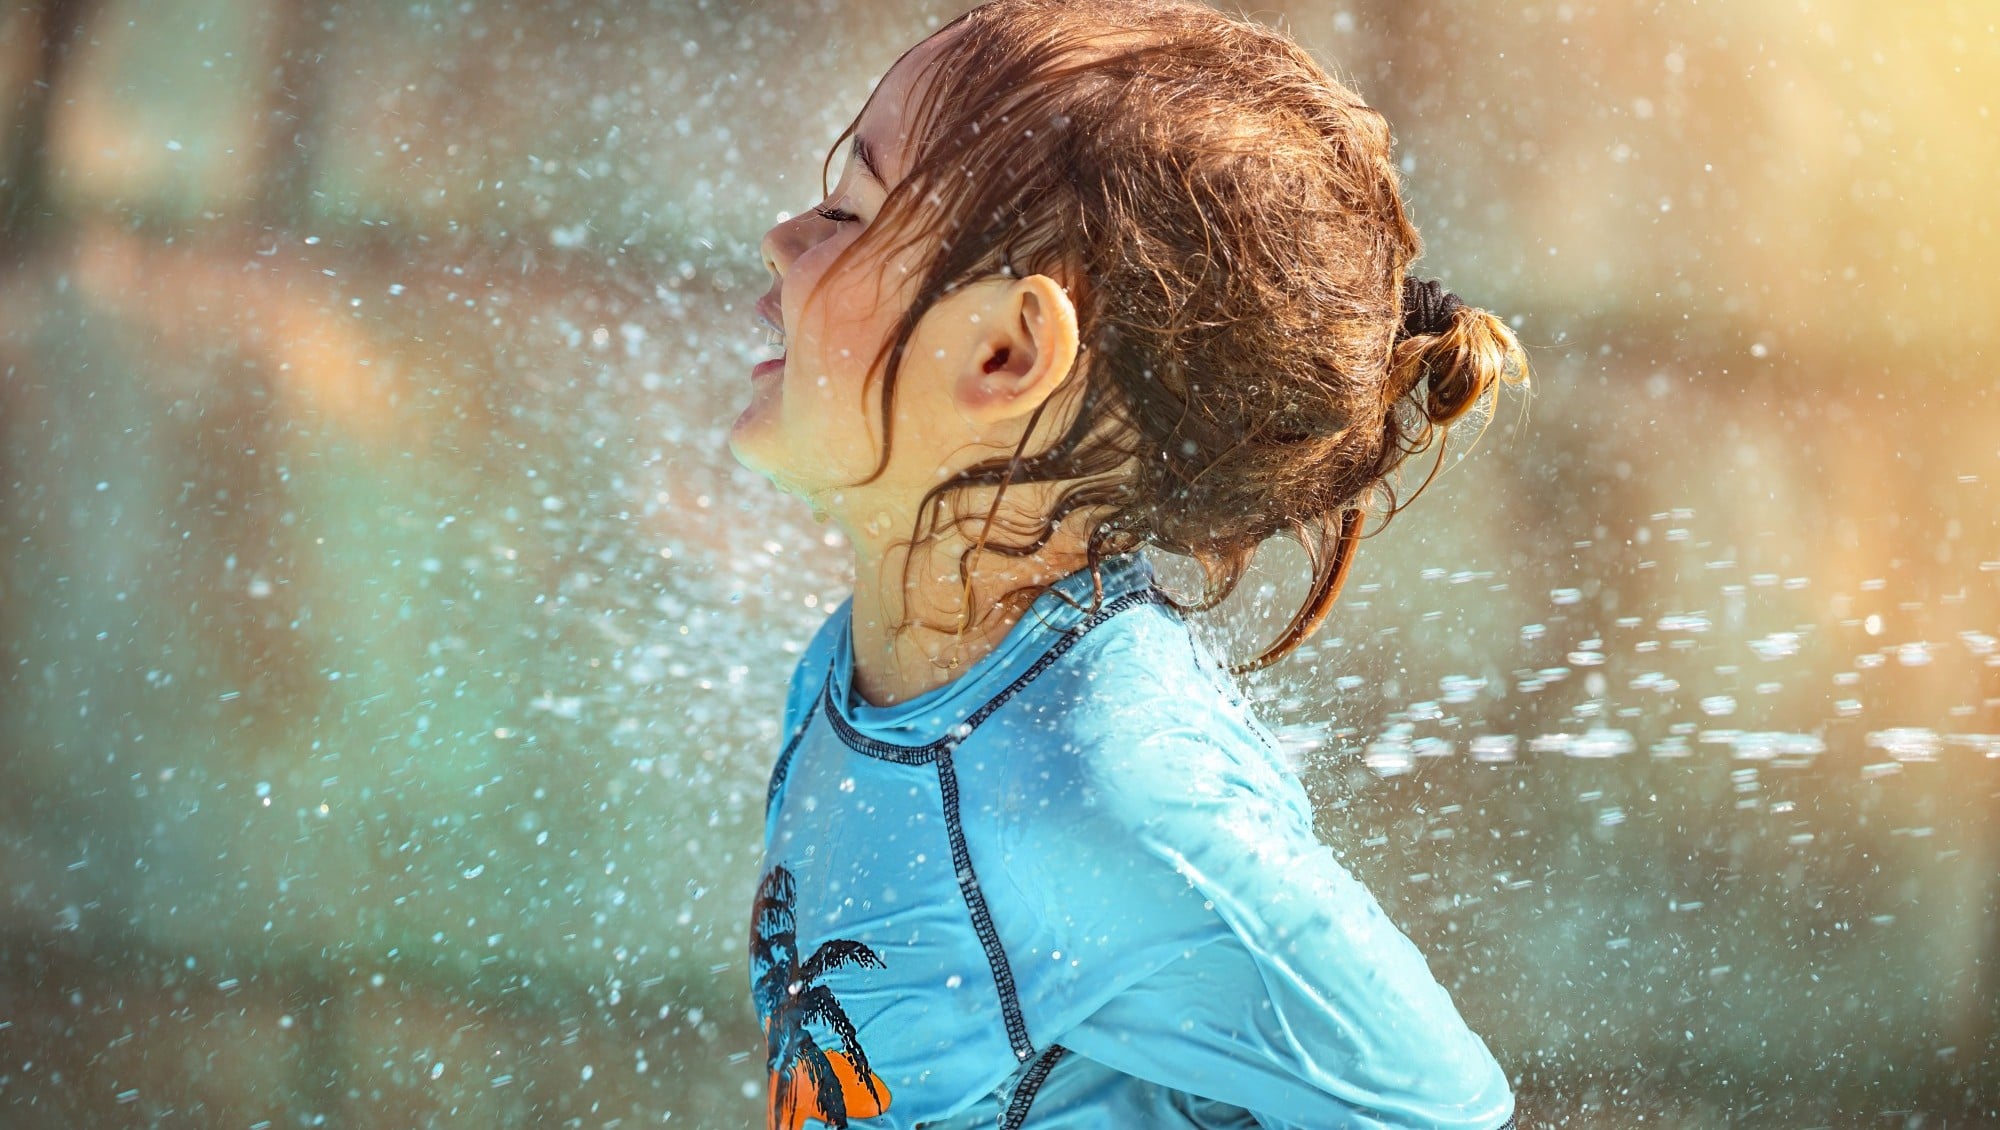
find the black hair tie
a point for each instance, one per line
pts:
(1427, 307)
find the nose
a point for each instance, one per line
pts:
(781, 245)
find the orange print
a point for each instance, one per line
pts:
(803, 1101)
(807, 1081)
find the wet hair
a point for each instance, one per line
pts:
(1229, 223)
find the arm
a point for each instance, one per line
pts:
(1281, 987)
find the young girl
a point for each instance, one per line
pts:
(1097, 275)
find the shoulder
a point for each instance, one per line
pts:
(1155, 776)
(1187, 796)
(808, 676)
(810, 672)
(1152, 729)
(1148, 770)
(826, 638)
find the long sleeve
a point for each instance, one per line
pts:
(1220, 949)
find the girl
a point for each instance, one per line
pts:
(1097, 275)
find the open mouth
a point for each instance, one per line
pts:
(774, 337)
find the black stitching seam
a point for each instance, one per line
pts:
(1031, 1083)
(784, 764)
(929, 752)
(982, 919)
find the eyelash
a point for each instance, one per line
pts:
(836, 215)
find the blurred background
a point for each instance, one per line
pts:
(391, 653)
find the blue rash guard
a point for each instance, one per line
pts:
(1077, 887)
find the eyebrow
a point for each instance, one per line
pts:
(866, 155)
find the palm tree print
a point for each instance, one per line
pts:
(806, 1080)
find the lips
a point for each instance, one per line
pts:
(763, 367)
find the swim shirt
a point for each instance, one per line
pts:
(1078, 888)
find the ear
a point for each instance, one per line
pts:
(1026, 350)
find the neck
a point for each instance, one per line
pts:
(910, 631)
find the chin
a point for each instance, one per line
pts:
(753, 451)
(747, 451)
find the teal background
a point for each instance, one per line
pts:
(391, 653)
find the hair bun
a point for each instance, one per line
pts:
(1427, 307)
(1448, 357)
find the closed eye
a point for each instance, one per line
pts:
(836, 215)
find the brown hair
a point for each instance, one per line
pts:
(1227, 220)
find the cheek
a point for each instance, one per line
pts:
(832, 390)
(841, 332)
(843, 324)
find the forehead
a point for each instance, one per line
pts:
(889, 121)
